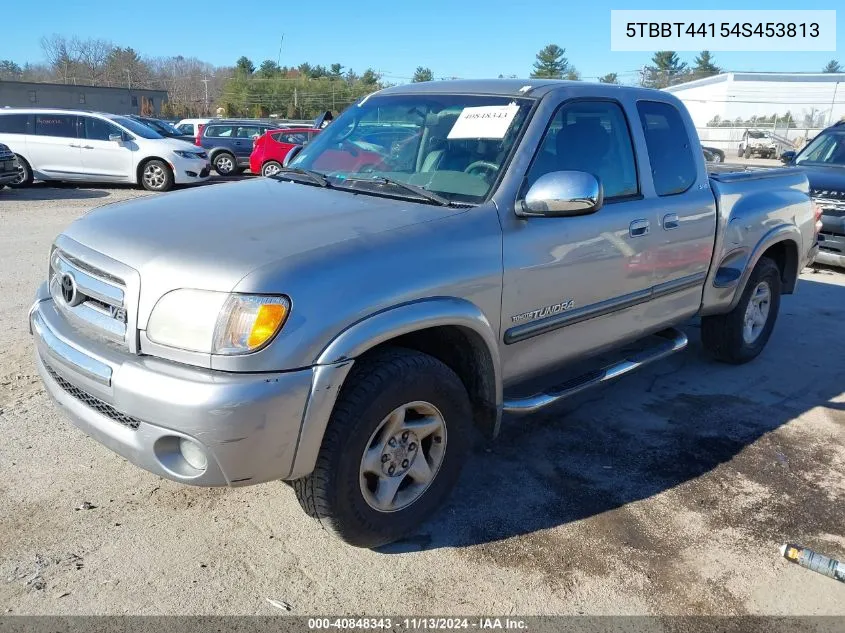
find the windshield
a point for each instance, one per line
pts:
(162, 127)
(136, 128)
(826, 149)
(757, 134)
(452, 145)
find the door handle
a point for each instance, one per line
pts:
(639, 228)
(87, 147)
(73, 145)
(670, 221)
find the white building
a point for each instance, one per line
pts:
(813, 100)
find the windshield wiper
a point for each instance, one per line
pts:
(416, 190)
(315, 176)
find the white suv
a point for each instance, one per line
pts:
(54, 145)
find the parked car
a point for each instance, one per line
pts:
(190, 127)
(164, 128)
(758, 143)
(69, 145)
(10, 171)
(229, 143)
(713, 154)
(823, 161)
(270, 149)
(345, 329)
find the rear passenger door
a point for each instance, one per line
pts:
(686, 225)
(55, 150)
(244, 137)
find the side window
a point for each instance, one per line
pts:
(590, 136)
(186, 128)
(295, 138)
(99, 130)
(63, 125)
(220, 131)
(16, 123)
(249, 131)
(672, 164)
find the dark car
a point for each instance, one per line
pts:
(10, 171)
(229, 143)
(713, 154)
(164, 128)
(823, 160)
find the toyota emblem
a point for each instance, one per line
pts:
(69, 293)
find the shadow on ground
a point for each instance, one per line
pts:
(673, 423)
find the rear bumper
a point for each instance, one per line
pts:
(247, 425)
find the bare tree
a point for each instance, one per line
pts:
(91, 55)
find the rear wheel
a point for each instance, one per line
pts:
(740, 335)
(270, 168)
(156, 176)
(392, 451)
(25, 178)
(225, 164)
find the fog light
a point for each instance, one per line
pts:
(193, 454)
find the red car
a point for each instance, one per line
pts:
(270, 149)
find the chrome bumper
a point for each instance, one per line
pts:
(249, 426)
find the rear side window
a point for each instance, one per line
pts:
(250, 131)
(63, 125)
(295, 138)
(220, 131)
(669, 150)
(15, 124)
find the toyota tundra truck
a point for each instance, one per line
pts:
(349, 324)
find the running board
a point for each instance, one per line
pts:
(676, 341)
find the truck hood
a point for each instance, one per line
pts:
(212, 236)
(825, 181)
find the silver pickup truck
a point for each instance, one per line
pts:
(348, 324)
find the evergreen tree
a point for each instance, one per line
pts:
(832, 67)
(422, 74)
(609, 78)
(666, 70)
(551, 63)
(704, 66)
(245, 66)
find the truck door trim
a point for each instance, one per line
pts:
(529, 330)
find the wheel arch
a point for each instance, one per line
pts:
(142, 163)
(781, 245)
(452, 330)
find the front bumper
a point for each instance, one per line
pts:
(247, 425)
(831, 250)
(187, 171)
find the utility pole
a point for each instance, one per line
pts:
(205, 81)
(128, 78)
(279, 58)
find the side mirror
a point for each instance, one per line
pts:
(291, 155)
(116, 138)
(562, 193)
(788, 156)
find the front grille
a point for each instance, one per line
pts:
(94, 403)
(89, 297)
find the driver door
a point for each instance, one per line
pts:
(571, 283)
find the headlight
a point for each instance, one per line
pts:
(216, 322)
(185, 154)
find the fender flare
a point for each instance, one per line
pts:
(782, 233)
(335, 361)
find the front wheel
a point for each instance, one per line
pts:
(25, 176)
(740, 335)
(156, 176)
(392, 451)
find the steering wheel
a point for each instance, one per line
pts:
(482, 166)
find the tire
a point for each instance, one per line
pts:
(726, 337)
(156, 175)
(341, 493)
(270, 168)
(225, 164)
(26, 177)
(741, 152)
(748, 152)
(717, 158)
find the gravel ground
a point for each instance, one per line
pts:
(666, 493)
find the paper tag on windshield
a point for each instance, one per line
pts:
(484, 122)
